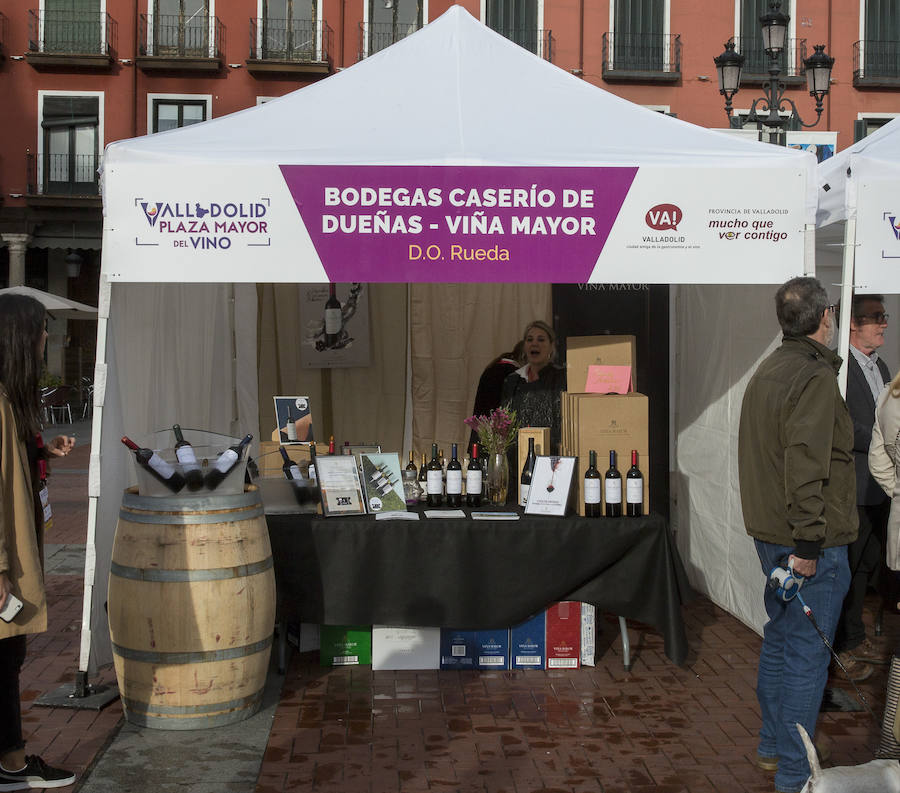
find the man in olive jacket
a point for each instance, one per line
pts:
(798, 493)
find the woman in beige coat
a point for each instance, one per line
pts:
(23, 456)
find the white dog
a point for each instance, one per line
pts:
(878, 776)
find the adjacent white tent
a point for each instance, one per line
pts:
(453, 107)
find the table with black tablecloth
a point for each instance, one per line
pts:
(476, 574)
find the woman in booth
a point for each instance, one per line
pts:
(533, 390)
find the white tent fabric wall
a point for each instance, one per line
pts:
(151, 328)
(723, 332)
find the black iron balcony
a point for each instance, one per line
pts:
(63, 175)
(70, 38)
(176, 41)
(289, 46)
(876, 64)
(540, 42)
(375, 36)
(756, 62)
(642, 57)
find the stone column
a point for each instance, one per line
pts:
(17, 243)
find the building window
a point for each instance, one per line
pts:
(866, 124)
(391, 20)
(72, 26)
(172, 112)
(750, 41)
(639, 42)
(289, 30)
(70, 144)
(517, 20)
(881, 41)
(181, 28)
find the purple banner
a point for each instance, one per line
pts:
(404, 223)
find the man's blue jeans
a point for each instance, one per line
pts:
(793, 663)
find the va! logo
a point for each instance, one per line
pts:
(895, 227)
(664, 216)
(151, 212)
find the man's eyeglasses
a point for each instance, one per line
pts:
(878, 317)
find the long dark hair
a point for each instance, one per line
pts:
(21, 325)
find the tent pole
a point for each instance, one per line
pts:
(847, 276)
(82, 694)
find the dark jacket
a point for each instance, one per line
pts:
(861, 405)
(537, 404)
(795, 451)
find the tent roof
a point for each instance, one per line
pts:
(454, 92)
(878, 153)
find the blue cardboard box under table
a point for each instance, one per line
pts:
(457, 649)
(492, 649)
(528, 643)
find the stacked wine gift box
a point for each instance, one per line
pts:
(604, 423)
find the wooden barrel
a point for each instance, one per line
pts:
(191, 608)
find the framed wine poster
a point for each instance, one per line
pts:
(383, 482)
(342, 493)
(293, 418)
(334, 319)
(551, 485)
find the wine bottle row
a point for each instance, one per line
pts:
(191, 474)
(439, 482)
(611, 502)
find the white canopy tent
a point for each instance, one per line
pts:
(586, 187)
(859, 216)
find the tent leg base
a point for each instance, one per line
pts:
(80, 694)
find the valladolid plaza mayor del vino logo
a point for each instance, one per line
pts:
(206, 225)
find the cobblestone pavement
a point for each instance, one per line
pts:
(659, 728)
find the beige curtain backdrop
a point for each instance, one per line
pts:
(456, 330)
(360, 404)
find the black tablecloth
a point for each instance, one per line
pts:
(469, 574)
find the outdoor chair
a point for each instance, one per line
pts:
(56, 403)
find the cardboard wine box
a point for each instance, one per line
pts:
(345, 645)
(588, 634)
(605, 422)
(585, 351)
(564, 635)
(405, 648)
(541, 437)
(528, 643)
(457, 649)
(492, 649)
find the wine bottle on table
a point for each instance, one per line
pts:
(527, 472)
(333, 318)
(164, 471)
(311, 471)
(634, 488)
(185, 454)
(612, 483)
(411, 465)
(474, 479)
(434, 480)
(593, 507)
(454, 479)
(226, 461)
(423, 478)
(290, 468)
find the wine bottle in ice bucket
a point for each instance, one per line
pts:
(160, 469)
(227, 460)
(185, 454)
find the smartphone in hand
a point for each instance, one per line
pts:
(13, 606)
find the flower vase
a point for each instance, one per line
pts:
(497, 479)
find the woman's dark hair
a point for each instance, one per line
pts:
(21, 325)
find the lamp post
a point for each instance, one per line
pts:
(766, 110)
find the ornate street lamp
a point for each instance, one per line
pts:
(770, 106)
